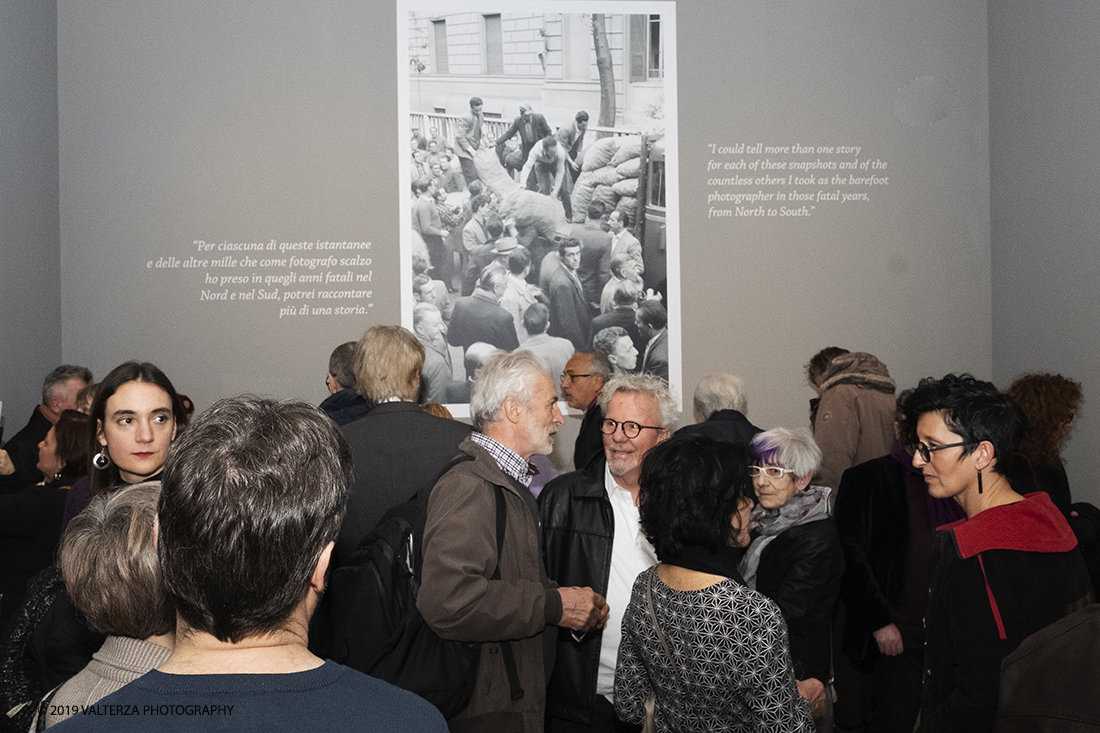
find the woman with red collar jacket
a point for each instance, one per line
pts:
(1007, 570)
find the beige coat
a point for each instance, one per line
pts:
(855, 418)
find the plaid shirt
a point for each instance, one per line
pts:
(507, 459)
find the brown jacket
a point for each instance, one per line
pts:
(855, 417)
(460, 601)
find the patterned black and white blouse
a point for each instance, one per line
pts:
(732, 665)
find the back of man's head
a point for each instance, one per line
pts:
(492, 278)
(252, 493)
(518, 260)
(56, 381)
(536, 319)
(388, 363)
(596, 210)
(720, 391)
(625, 294)
(653, 314)
(477, 354)
(341, 364)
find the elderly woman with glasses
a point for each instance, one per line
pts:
(795, 557)
(1007, 570)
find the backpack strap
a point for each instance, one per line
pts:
(507, 654)
(40, 722)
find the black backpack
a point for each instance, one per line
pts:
(375, 627)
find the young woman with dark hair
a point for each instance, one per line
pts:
(135, 417)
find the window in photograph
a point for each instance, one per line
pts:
(656, 195)
(494, 45)
(439, 47)
(645, 48)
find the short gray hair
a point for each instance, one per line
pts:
(505, 375)
(794, 450)
(55, 379)
(109, 562)
(720, 391)
(646, 384)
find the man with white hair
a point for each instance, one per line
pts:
(720, 407)
(593, 537)
(503, 600)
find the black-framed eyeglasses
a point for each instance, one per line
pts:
(772, 472)
(927, 451)
(571, 377)
(631, 429)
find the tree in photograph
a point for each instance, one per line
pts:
(607, 73)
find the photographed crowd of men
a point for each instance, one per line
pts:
(483, 273)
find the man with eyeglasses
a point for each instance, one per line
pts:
(592, 538)
(581, 384)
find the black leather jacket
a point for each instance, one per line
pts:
(800, 570)
(578, 531)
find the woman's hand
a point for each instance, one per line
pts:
(814, 691)
(7, 468)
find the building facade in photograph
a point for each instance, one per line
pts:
(547, 60)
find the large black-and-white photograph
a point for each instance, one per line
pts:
(540, 176)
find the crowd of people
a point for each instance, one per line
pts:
(716, 577)
(490, 254)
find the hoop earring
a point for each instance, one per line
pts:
(979, 480)
(101, 460)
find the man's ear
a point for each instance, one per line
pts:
(317, 580)
(512, 410)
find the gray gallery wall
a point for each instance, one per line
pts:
(225, 120)
(250, 121)
(30, 276)
(1045, 151)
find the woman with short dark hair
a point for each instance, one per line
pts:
(1007, 570)
(707, 650)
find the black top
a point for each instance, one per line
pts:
(397, 449)
(800, 570)
(728, 426)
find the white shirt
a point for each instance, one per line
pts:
(631, 553)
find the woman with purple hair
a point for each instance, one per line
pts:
(795, 557)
